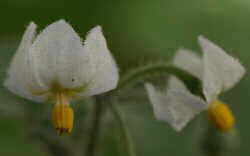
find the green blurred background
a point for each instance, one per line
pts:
(137, 31)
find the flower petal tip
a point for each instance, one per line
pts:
(32, 25)
(202, 40)
(96, 30)
(62, 21)
(179, 128)
(201, 37)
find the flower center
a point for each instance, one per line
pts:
(221, 115)
(62, 115)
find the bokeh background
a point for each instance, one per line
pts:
(137, 31)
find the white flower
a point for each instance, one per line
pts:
(176, 104)
(218, 72)
(56, 65)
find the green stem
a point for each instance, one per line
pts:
(125, 133)
(95, 127)
(155, 70)
(54, 146)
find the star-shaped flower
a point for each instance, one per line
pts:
(218, 73)
(55, 65)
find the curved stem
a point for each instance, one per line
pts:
(125, 133)
(155, 70)
(95, 127)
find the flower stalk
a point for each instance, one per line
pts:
(124, 130)
(95, 126)
(148, 72)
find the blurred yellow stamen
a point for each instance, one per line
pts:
(221, 115)
(62, 115)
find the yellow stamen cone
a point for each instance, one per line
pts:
(62, 116)
(221, 115)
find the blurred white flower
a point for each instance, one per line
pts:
(55, 65)
(217, 71)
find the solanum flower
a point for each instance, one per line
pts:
(56, 66)
(218, 73)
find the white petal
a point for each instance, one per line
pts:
(59, 57)
(161, 107)
(189, 61)
(221, 71)
(20, 79)
(105, 72)
(177, 106)
(176, 85)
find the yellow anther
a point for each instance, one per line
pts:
(221, 115)
(62, 115)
